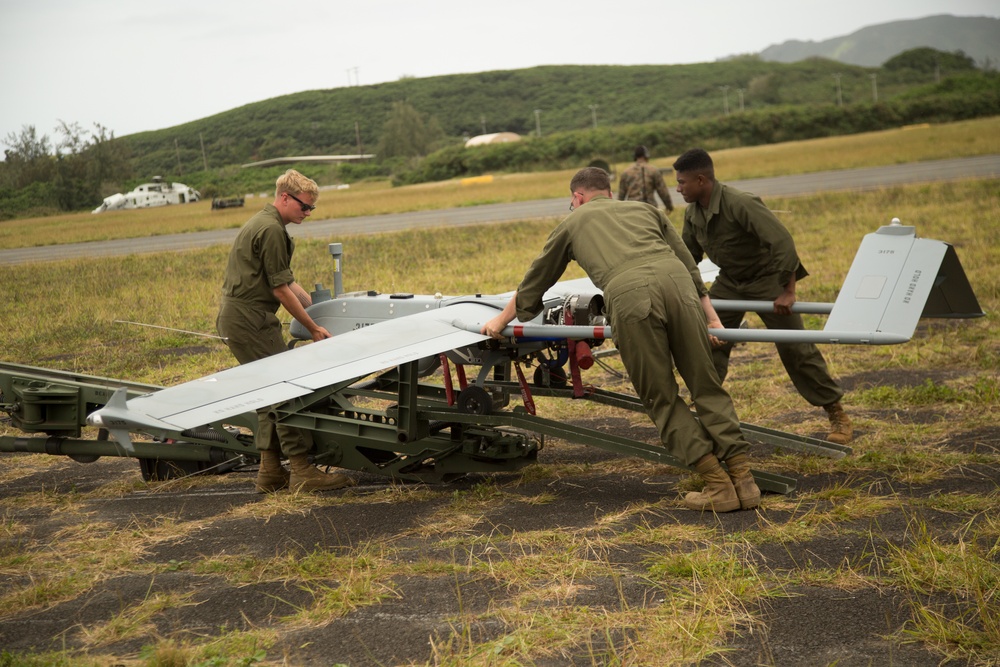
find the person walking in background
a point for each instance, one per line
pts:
(660, 314)
(642, 182)
(758, 261)
(257, 282)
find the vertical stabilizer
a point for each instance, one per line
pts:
(952, 295)
(896, 279)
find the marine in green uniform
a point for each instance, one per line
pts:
(660, 312)
(257, 282)
(758, 261)
(642, 182)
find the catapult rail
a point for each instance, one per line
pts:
(56, 403)
(104, 386)
(609, 442)
(764, 435)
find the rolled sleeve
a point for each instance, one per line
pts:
(543, 273)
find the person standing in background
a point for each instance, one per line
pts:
(642, 182)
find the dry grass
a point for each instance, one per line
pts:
(704, 586)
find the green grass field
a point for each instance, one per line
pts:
(919, 494)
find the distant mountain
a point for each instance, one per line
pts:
(977, 36)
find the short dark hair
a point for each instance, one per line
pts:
(695, 159)
(590, 179)
(640, 151)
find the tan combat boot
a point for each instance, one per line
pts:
(841, 430)
(307, 477)
(718, 494)
(271, 476)
(742, 478)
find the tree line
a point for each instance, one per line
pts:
(66, 175)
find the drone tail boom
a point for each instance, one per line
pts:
(895, 279)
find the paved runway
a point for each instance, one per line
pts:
(870, 178)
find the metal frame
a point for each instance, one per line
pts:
(422, 435)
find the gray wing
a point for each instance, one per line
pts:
(299, 371)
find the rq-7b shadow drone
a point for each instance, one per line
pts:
(384, 344)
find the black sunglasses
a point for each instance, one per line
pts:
(305, 207)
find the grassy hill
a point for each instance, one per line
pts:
(331, 121)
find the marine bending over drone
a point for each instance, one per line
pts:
(660, 313)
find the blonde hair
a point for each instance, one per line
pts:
(294, 183)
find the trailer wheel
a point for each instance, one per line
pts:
(475, 400)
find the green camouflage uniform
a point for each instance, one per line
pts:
(641, 182)
(651, 289)
(259, 261)
(757, 258)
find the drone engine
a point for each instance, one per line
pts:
(580, 310)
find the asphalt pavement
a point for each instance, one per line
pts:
(869, 178)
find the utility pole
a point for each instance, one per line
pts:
(593, 114)
(739, 91)
(538, 122)
(204, 159)
(725, 98)
(874, 88)
(840, 99)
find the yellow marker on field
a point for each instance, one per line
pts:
(476, 180)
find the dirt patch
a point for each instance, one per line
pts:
(899, 378)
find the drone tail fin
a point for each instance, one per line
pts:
(897, 278)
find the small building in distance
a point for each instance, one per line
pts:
(495, 138)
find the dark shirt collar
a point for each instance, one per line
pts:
(714, 202)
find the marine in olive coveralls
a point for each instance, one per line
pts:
(652, 289)
(259, 261)
(757, 258)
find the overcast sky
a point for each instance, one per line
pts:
(132, 66)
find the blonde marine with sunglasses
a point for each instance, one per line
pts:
(257, 282)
